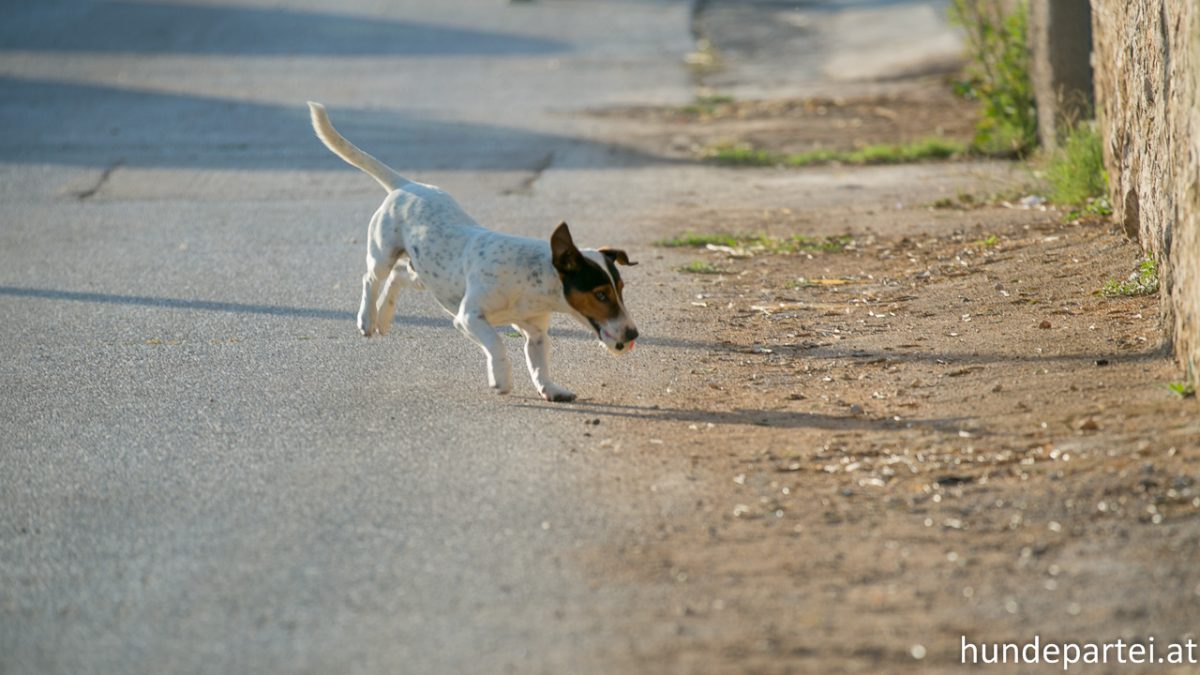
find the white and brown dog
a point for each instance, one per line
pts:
(421, 237)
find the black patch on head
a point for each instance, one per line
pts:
(616, 277)
(586, 276)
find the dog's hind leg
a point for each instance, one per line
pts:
(373, 281)
(470, 320)
(399, 278)
(537, 357)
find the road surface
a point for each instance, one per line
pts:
(204, 468)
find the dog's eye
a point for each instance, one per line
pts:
(601, 296)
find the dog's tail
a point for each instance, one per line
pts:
(387, 177)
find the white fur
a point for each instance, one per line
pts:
(481, 277)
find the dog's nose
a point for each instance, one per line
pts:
(631, 334)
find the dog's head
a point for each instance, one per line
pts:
(594, 290)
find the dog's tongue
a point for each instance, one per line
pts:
(631, 345)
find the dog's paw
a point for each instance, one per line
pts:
(501, 388)
(556, 394)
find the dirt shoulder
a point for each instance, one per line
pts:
(930, 430)
(787, 126)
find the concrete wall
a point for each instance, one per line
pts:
(1147, 72)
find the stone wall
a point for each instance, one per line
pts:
(1147, 72)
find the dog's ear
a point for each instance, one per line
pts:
(616, 255)
(562, 249)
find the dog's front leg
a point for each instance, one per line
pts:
(471, 322)
(537, 357)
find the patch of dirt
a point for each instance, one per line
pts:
(926, 436)
(797, 125)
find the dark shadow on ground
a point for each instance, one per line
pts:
(960, 360)
(296, 312)
(761, 418)
(46, 122)
(161, 28)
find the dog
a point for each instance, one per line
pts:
(421, 238)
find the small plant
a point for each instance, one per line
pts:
(1182, 389)
(988, 241)
(799, 243)
(1143, 281)
(886, 153)
(796, 243)
(693, 240)
(1098, 207)
(961, 200)
(1076, 170)
(739, 155)
(699, 267)
(998, 74)
(707, 105)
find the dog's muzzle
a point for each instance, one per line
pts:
(619, 342)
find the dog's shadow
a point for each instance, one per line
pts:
(305, 313)
(782, 419)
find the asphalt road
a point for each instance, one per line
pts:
(204, 468)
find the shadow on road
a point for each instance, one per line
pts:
(760, 418)
(959, 359)
(150, 28)
(297, 312)
(48, 122)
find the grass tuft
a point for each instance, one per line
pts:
(699, 267)
(693, 240)
(707, 105)
(1182, 389)
(796, 243)
(1143, 281)
(1076, 169)
(885, 153)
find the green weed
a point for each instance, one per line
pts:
(998, 74)
(1143, 281)
(699, 267)
(1182, 389)
(1076, 169)
(1098, 206)
(885, 153)
(796, 243)
(693, 240)
(706, 105)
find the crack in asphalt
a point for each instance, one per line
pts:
(104, 176)
(525, 187)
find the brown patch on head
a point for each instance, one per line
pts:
(587, 286)
(598, 304)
